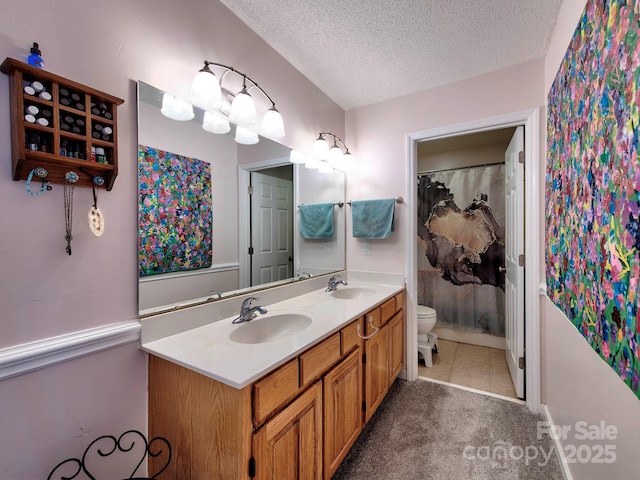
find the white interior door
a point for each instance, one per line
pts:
(271, 228)
(514, 259)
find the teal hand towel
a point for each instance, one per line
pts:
(372, 218)
(316, 221)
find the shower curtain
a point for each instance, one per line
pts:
(461, 223)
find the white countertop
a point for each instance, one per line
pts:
(208, 350)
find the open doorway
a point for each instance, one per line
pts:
(529, 119)
(464, 222)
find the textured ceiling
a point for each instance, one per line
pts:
(360, 52)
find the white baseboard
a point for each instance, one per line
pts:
(559, 450)
(27, 357)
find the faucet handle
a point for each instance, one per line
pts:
(246, 303)
(334, 278)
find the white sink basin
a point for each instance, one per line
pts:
(270, 328)
(352, 293)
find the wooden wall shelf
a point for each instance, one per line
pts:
(59, 129)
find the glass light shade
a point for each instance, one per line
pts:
(243, 110)
(215, 124)
(246, 136)
(272, 124)
(348, 162)
(297, 157)
(205, 90)
(320, 149)
(335, 156)
(176, 109)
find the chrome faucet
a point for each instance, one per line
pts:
(334, 282)
(247, 312)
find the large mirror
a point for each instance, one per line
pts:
(218, 218)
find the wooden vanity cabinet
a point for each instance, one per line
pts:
(298, 422)
(384, 351)
(396, 345)
(207, 423)
(289, 446)
(376, 369)
(342, 388)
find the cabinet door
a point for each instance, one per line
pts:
(376, 370)
(396, 345)
(289, 446)
(342, 410)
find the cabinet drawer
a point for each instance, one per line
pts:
(400, 300)
(349, 337)
(318, 359)
(372, 320)
(274, 390)
(387, 309)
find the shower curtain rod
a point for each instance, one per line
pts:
(468, 167)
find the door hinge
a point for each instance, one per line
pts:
(250, 250)
(521, 156)
(521, 363)
(521, 260)
(250, 190)
(252, 467)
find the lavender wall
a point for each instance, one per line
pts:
(378, 135)
(51, 414)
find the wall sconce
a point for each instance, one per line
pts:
(207, 93)
(326, 156)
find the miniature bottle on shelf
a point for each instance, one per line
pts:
(44, 146)
(64, 98)
(33, 142)
(100, 155)
(32, 109)
(35, 58)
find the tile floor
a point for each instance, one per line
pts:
(471, 366)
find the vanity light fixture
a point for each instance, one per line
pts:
(246, 136)
(207, 93)
(326, 157)
(215, 124)
(176, 109)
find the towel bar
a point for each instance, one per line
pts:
(339, 204)
(398, 200)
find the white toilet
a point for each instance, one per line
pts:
(427, 341)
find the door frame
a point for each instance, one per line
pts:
(244, 213)
(530, 119)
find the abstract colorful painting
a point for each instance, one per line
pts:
(593, 182)
(174, 209)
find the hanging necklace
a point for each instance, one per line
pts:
(41, 173)
(70, 179)
(96, 219)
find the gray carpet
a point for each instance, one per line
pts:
(425, 430)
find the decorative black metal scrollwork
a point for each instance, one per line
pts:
(75, 466)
